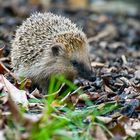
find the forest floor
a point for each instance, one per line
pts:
(108, 108)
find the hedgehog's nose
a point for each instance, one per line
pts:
(86, 73)
(92, 78)
(83, 70)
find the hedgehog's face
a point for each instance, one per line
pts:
(81, 64)
(61, 62)
(83, 70)
(72, 64)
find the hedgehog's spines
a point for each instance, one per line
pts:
(31, 53)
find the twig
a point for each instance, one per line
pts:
(124, 59)
(4, 59)
(8, 71)
(76, 90)
(63, 99)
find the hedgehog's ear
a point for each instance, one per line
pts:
(56, 49)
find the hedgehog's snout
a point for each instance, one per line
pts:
(83, 70)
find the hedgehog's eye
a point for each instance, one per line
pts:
(74, 63)
(55, 50)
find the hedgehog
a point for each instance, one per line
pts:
(47, 44)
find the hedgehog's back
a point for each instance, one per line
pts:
(47, 24)
(39, 28)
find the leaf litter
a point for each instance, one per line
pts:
(108, 108)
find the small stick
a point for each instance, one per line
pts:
(8, 71)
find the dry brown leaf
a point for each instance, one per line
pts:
(123, 120)
(118, 130)
(3, 69)
(100, 135)
(137, 87)
(93, 95)
(18, 96)
(107, 89)
(74, 98)
(36, 93)
(26, 83)
(104, 119)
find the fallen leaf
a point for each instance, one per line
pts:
(36, 93)
(18, 96)
(3, 69)
(93, 95)
(107, 89)
(83, 97)
(99, 134)
(104, 119)
(130, 132)
(123, 120)
(118, 130)
(136, 126)
(33, 117)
